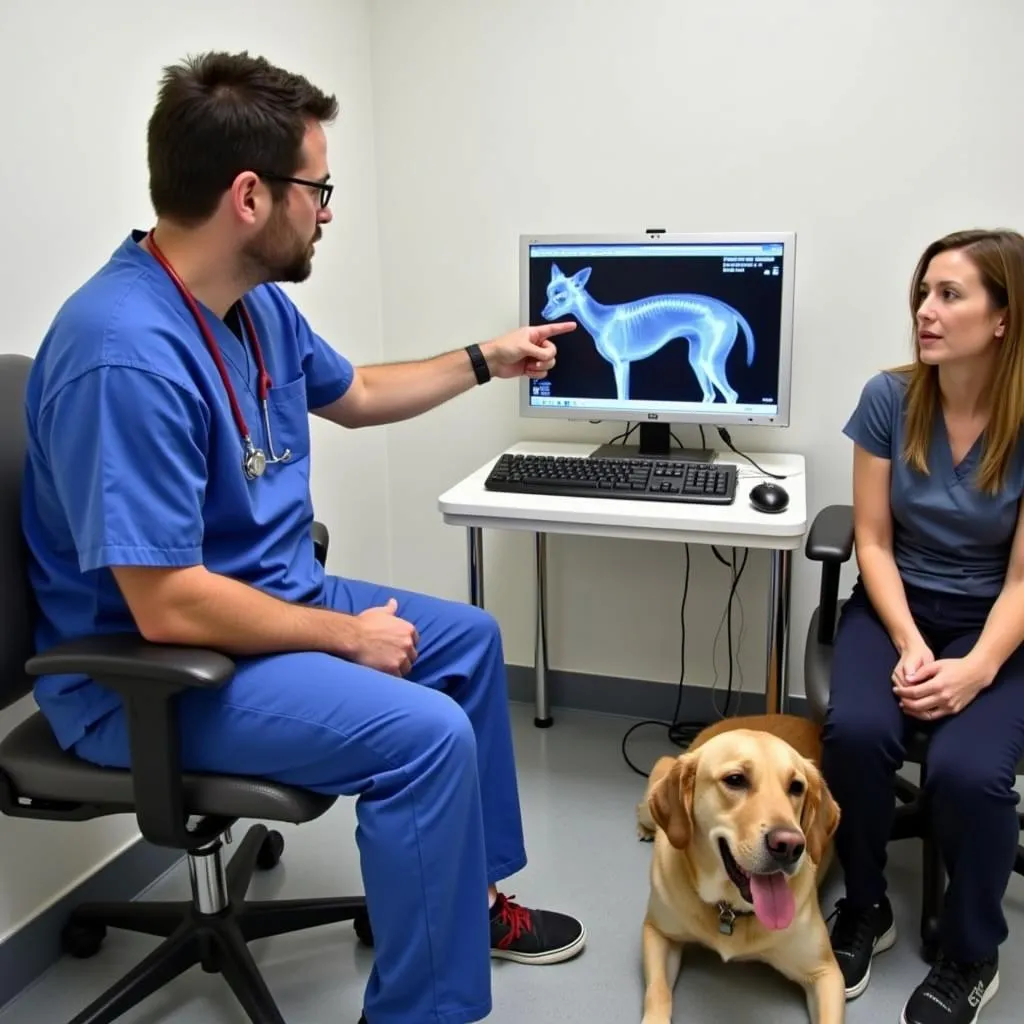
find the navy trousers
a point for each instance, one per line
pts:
(972, 762)
(430, 759)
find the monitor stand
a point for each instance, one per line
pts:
(655, 443)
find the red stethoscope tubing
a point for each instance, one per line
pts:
(264, 382)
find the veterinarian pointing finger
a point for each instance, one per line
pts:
(529, 350)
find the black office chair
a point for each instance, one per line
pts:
(39, 780)
(830, 542)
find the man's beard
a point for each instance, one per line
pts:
(278, 254)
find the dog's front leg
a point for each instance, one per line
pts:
(662, 957)
(826, 996)
(807, 959)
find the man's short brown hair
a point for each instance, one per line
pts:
(219, 114)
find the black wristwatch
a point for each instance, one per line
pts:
(480, 367)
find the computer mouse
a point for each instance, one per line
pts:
(769, 497)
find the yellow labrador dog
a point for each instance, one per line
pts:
(742, 826)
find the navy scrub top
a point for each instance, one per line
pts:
(948, 537)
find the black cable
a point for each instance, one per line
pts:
(624, 436)
(683, 733)
(737, 574)
(703, 443)
(679, 732)
(724, 434)
(728, 631)
(630, 427)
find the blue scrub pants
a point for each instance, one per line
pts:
(433, 768)
(972, 763)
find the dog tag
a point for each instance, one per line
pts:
(726, 916)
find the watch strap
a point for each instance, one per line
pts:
(480, 367)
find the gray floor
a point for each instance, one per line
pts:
(578, 799)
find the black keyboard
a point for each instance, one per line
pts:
(634, 479)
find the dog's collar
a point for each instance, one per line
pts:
(727, 915)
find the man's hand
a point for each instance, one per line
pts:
(941, 688)
(528, 350)
(386, 642)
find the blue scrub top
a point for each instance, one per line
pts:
(134, 457)
(948, 536)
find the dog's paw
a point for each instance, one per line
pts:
(645, 825)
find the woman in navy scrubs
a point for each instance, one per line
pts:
(931, 634)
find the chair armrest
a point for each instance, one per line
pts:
(126, 659)
(321, 542)
(830, 541)
(831, 535)
(148, 677)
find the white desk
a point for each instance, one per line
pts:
(470, 505)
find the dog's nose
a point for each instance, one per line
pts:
(785, 845)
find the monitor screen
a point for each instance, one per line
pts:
(677, 328)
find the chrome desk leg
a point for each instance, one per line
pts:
(777, 671)
(542, 713)
(475, 537)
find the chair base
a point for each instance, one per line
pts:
(911, 822)
(213, 931)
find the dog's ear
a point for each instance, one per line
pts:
(820, 817)
(671, 801)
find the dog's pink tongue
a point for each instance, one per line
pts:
(773, 902)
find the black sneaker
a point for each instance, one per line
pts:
(952, 993)
(856, 937)
(533, 936)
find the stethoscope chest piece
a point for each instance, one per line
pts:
(254, 462)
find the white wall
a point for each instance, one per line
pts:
(868, 128)
(74, 181)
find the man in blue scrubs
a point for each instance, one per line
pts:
(163, 494)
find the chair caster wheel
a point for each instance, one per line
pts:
(361, 923)
(82, 941)
(270, 852)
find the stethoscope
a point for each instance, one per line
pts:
(254, 460)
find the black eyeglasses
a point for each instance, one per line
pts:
(326, 188)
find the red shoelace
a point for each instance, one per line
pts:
(516, 918)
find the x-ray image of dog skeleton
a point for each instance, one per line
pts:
(629, 331)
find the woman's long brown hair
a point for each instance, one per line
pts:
(999, 257)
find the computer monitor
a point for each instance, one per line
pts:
(673, 328)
